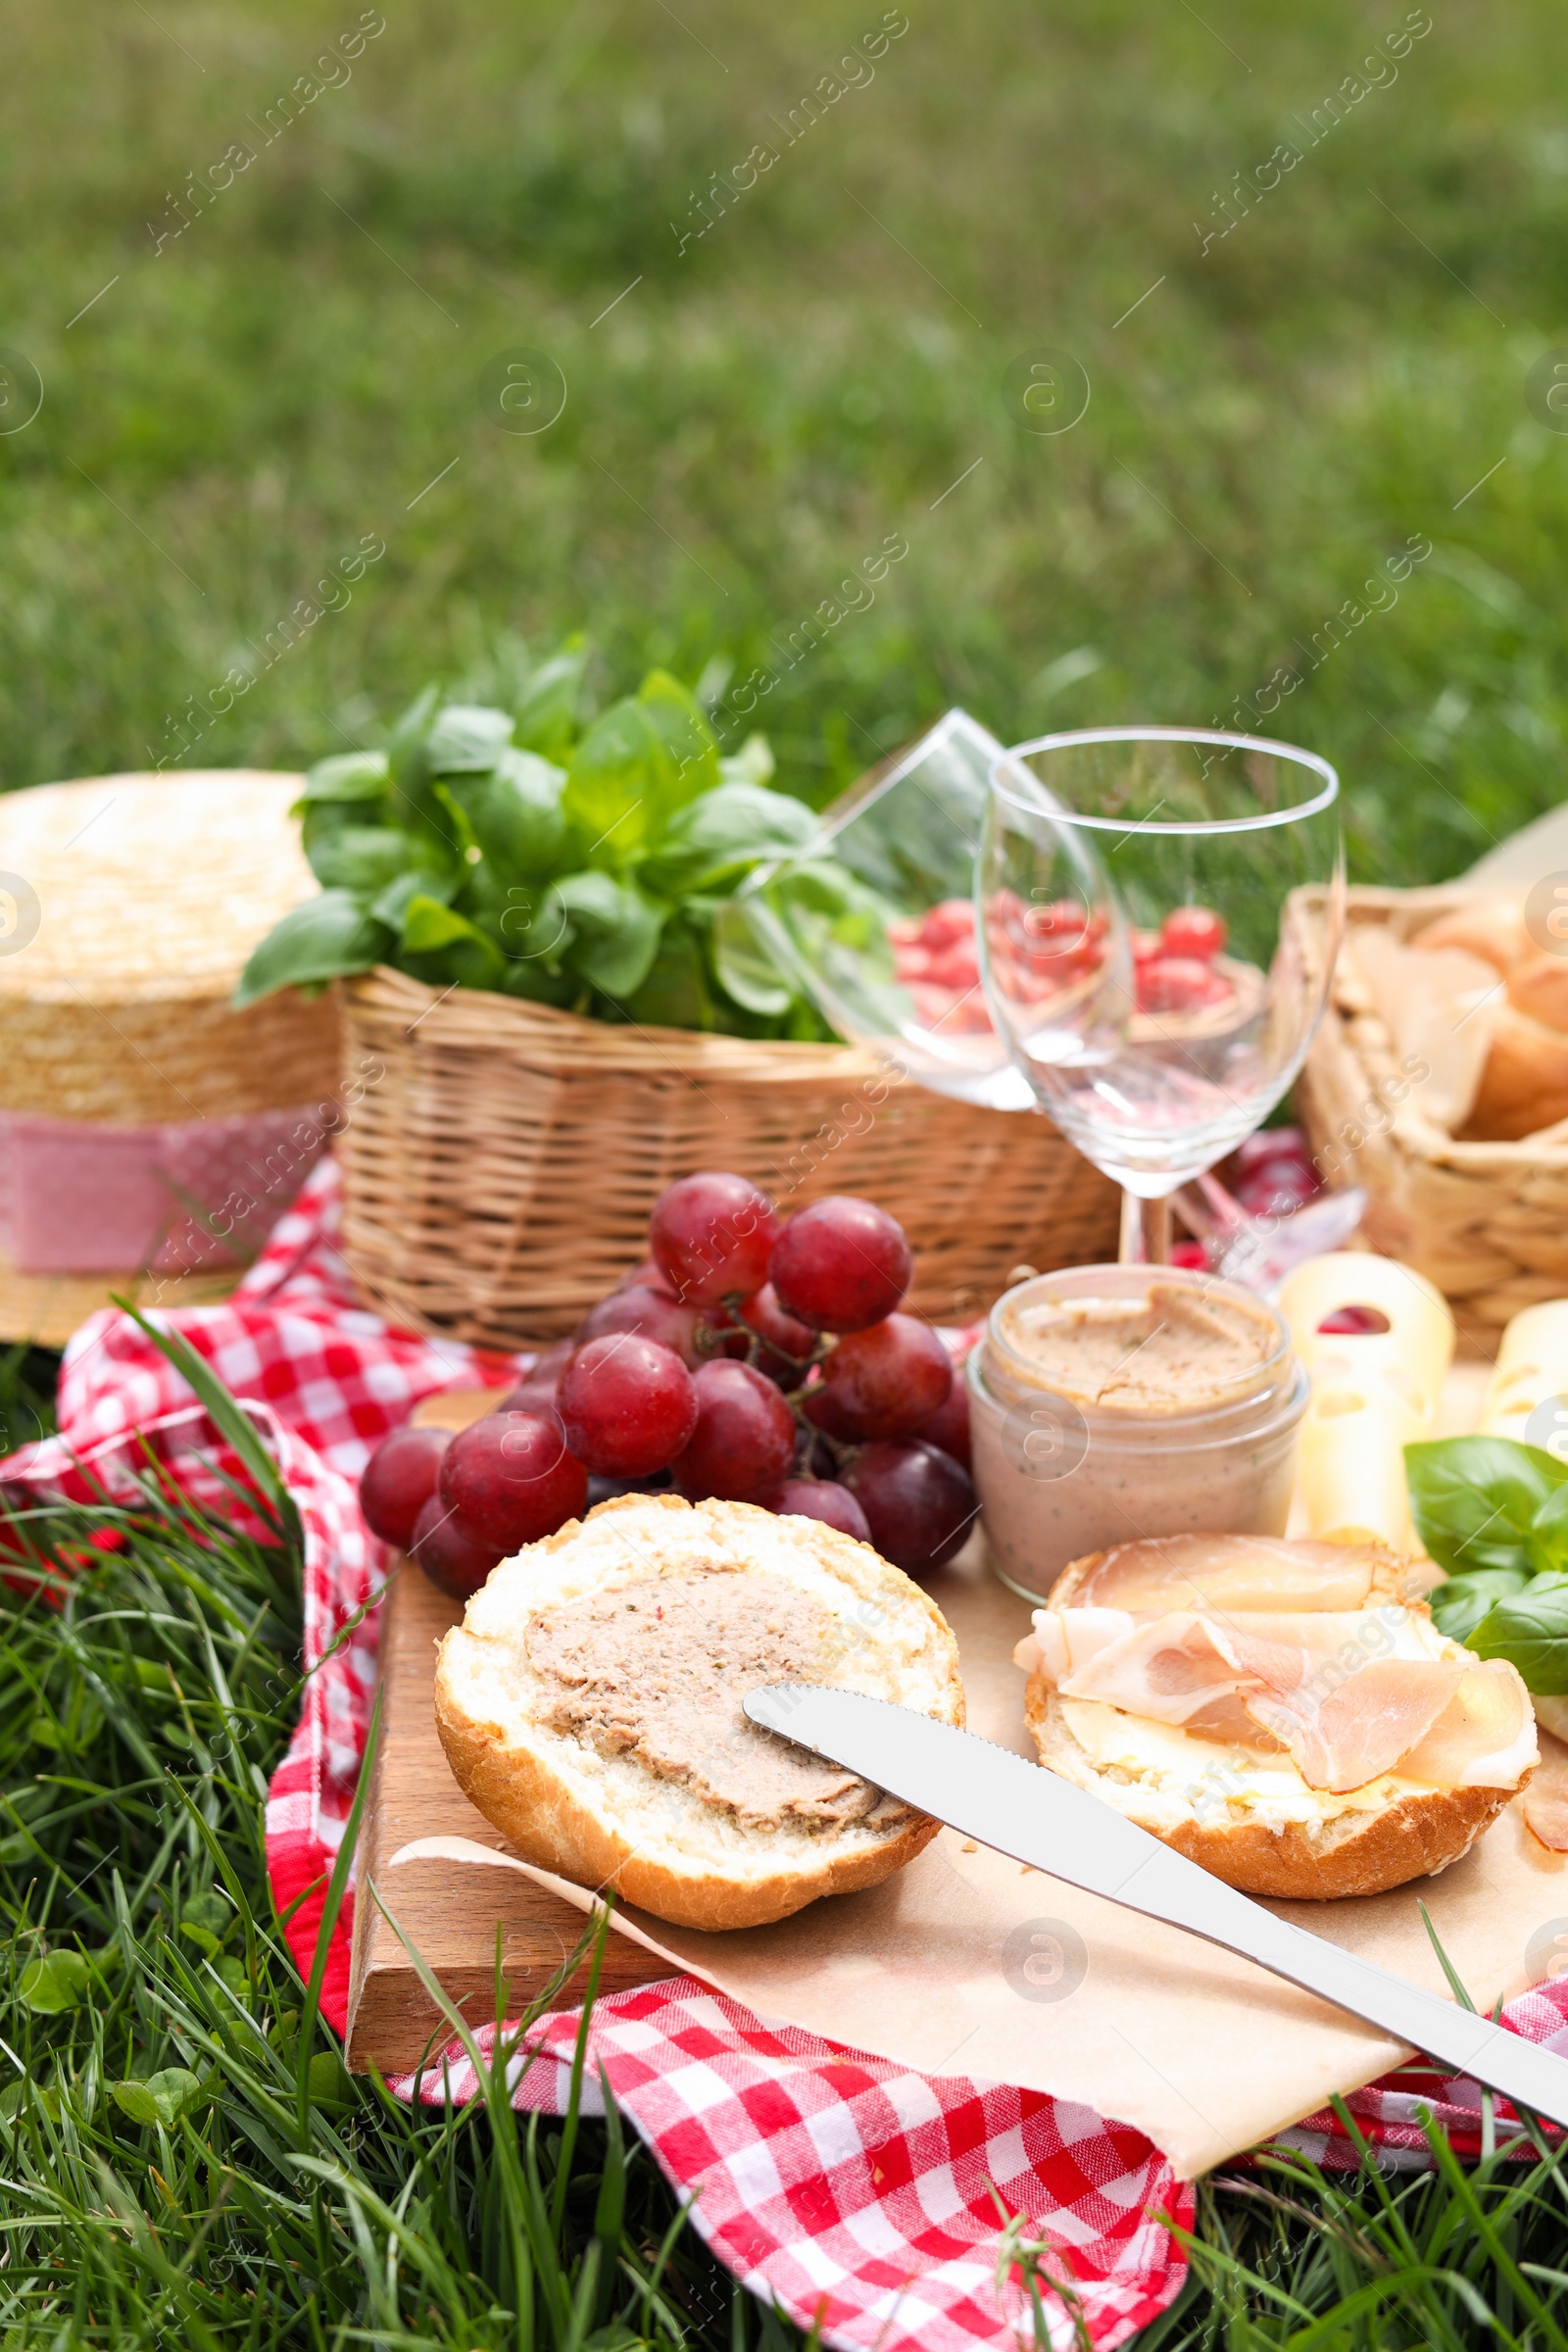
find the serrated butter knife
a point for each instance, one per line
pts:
(1020, 1809)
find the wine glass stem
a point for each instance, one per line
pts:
(1144, 1231)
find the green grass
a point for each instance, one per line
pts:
(237, 410)
(1281, 414)
(182, 2156)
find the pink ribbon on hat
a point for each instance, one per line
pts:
(78, 1198)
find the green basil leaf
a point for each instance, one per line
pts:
(540, 983)
(467, 740)
(639, 762)
(407, 766)
(418, 882)
(546, 710)
(753, 763)
(57, 1984)
(742, 965)
(312, 944)
(1531, 1631)
(681, 725)
(716, 840)
(1458, 1607)
(161, 2099)
(516, 812)
(363, 857)
(1473, 1500)
(348, 776)
(409, 770)
(616, 931)
(676, 994)
(430, 928)
(1546, 1542)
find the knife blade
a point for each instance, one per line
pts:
(1020, 1808)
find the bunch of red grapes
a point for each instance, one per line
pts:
(751, 1358)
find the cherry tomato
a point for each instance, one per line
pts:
(1193, 931)
(1178, 984)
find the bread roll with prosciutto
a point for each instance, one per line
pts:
(1283, 1713)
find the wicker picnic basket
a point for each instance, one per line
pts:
(499, 1170)
(1487, 1222)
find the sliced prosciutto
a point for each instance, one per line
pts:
(1229, 1572)
(1341, 1737)
(1351, 1694)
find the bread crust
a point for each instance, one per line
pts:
(511, 1771)
(1356, 1853)
(1523, 1084)
(1491, 929)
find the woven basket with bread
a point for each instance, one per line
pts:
(1439, 1080)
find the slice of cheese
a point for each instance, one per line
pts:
(1373, 1392)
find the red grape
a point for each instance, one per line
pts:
(783, 1338)
(628, 1405)
(399, 1480)
(654, 1313)
(841, 1264)
(948, 1429)
(511, 1480)
(819, 1498)
(535, 1393)
(1273, 1143)
(884, 1382)
(450, 1553)
(821, 1410)
(647, 1277)
(1193, 931)
(918, 1502)
(711, 1235)
(744, 1440)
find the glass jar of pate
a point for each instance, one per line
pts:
(1112, 1402)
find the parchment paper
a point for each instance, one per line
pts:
(967, 1962)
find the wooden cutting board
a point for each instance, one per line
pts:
(453, 1915)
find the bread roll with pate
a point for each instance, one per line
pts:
(1283, 1713)
(590, 1707)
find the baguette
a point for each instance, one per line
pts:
(1238, 1803)
(590, 1707)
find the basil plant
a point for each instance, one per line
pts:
(594, 869)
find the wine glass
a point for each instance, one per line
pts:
(874, 917)
(1144, 949)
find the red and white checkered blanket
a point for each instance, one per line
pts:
(857, 2195)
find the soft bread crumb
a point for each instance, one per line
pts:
(598, 1813)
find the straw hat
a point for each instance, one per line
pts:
(129, 906)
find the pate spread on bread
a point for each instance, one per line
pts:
(1283, 1713)
(590, 1706)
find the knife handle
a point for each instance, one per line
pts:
(1527, 2074)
